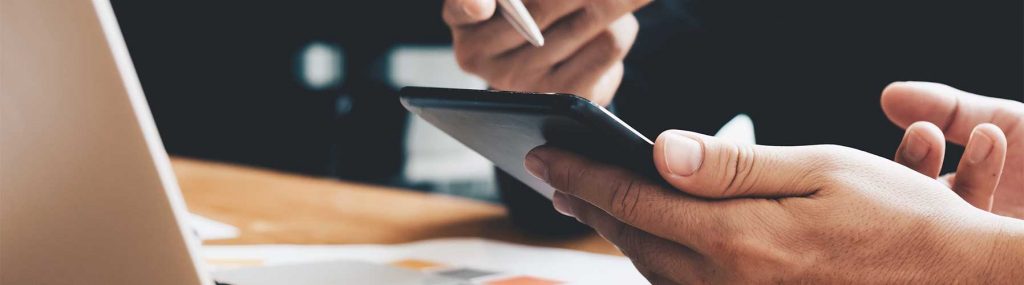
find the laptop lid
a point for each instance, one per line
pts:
(87, 194)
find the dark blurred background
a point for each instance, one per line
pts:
(309, 86)
(225, 79)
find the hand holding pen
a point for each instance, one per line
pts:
(578, 46)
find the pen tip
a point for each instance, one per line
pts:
(536, 41)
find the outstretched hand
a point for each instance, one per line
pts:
(991, 172)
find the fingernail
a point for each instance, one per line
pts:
(683, 155)
(561, 203)
(916, 149)
(980, 147)
(536, 167)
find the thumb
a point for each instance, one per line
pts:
(466, 12)
(715, 168)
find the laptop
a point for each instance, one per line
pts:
(87, 193)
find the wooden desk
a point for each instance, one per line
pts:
(273, 207)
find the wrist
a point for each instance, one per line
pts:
(1007, 261)
(984, 249)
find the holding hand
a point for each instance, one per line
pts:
(737, 213)
(586, 43)
(974, 121)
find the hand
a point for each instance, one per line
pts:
(975, 121)
(586, 43)
(750, 214)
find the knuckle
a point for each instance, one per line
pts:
(595, 8)
(830, 157)
(1011, 118)
(831, 164)
(567, 181)
(538, 11)
(740, 166)
(588, 15)
(456, 12)
(625, 198)
(611, 44)
(617, 7)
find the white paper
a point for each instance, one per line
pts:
(569, 266)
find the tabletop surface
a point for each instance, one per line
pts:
(271, 207)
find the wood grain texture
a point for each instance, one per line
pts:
(271, 207)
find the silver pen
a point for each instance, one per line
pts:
(515, 12)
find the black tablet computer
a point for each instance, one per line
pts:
(503, 126)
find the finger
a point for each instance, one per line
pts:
(716, 168)
(922, 149)
(955, 112)
(640, 203)
(603, 91)
(459, 13)
(497, 36)
(981, 166)
(583, 71)
(652, 255)
(568, 35)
